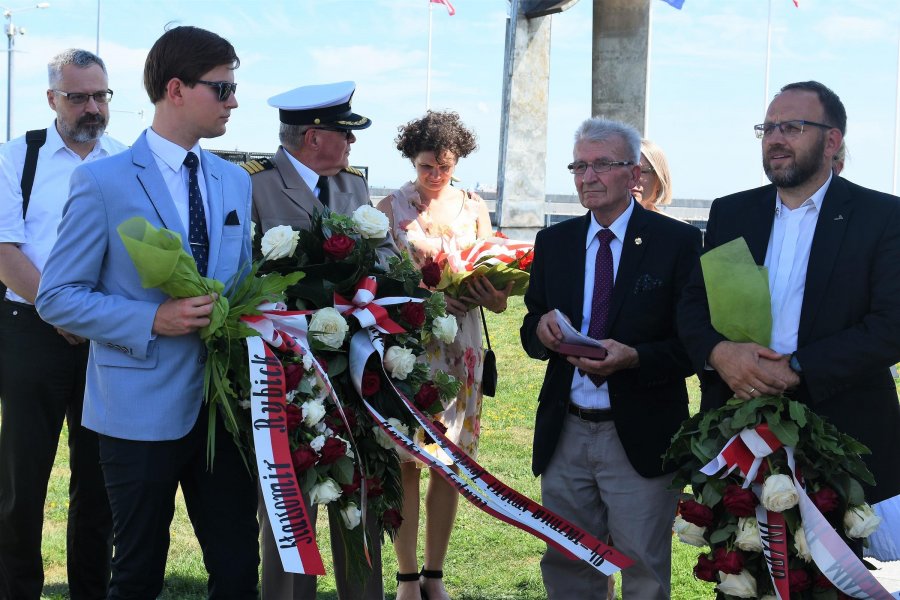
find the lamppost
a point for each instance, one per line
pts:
(11, 32)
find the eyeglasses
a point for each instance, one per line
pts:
(77, 99)
(789, 129)
(598, 166)
(346, 132)
(225, 88)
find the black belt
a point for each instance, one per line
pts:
(594, 415)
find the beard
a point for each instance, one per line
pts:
(88, 128)
(805, 165)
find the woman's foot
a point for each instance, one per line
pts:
(433, 585)
(408, 586)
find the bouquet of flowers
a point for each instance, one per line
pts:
(498, 258)
(775, 489)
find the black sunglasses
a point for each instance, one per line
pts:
(225, 88)
(345, 132)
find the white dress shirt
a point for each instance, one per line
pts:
(787, 258)
(309, 177)
(584, 393)
(36, 234)
(170, 160)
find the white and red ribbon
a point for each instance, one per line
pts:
(368, 310)
(486, 492)
(490, 251)
(829, 552)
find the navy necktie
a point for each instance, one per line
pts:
(323, 190)
(603, 285)
(197, 235)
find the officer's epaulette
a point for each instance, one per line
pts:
(257, 166)
(356, 172)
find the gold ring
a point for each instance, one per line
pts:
(753, 389)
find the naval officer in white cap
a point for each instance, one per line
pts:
(310, 171)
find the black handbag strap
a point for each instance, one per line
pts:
(33, 140)
(487, 337)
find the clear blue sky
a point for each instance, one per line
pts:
(707, 74)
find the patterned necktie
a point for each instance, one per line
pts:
(197, 236)
(323, 190)
(600, 300)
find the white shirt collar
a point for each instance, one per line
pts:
(310, 177)
(817, 198)
(618, 227)
(168, 151)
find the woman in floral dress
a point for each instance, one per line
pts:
(428, 216)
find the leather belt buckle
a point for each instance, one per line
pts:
(592, 415)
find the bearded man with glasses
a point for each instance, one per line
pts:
(34, 402)
(832, 249)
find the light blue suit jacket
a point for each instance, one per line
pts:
(139, 387)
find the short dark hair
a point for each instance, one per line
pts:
(438, 132)
(186, 53)
(835, 113)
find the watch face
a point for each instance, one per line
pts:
(795, 364)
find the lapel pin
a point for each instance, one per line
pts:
(839, 218)
(638, 241)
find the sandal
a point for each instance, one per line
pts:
(429, 575)
(407, 577)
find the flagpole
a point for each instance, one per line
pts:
(896, 122)
(768, 56)
(428, 69)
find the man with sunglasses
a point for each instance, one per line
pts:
(36, 400)
(310, 172)
(144, 391)
(603, 422)
(832, 250)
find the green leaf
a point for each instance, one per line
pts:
(855, 494)
(798, 412)
(720, 535)
(785, 431)
(342, 469)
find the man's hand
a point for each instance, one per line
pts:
(481, 292)
(548, 331)
(73, 339)
(186, 315)
(752, 370)
(619, 357)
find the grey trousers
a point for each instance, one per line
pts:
(590, 482)
(278, 585)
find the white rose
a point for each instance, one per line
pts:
(689, 533)
(317, 443)
(800, 544)
(351, 515)
(742, 585)
(244, 403)
(861, 521)
(313, 411)
(329, 327)
(386, 441)
(252, 230)
(779, 493)
(371, 222)
(307, 361)
(325, 492)
(445, 328)
(747, 537)
(279, 242)
(399, 361)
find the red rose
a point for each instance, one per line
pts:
(371, 383)
(293, 373)
(799, 580)
(822, 583)
(392, 518)
(437, 425)
(431, 273)
(739, 502)
(705, 569)
(338, 246)
(373, 487)
(825, 499)
(350, 488)
(426, 396)
(294, 416)
(731, 562)
(525, 261)
(500, 234)
(334, 420)
(304, 458)
(413, 313)
(332, 450)
(696, 513)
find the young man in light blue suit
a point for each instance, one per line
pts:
(144, 391)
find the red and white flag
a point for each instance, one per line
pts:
(446, 3)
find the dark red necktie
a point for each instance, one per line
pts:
(600, 300)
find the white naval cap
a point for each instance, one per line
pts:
(327, 105)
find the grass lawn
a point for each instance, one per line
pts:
(488, 560)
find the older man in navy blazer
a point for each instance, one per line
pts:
(144, 391)
(602, 425)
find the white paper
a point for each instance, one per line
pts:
(572, 335)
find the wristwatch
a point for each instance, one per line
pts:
(794, 364)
